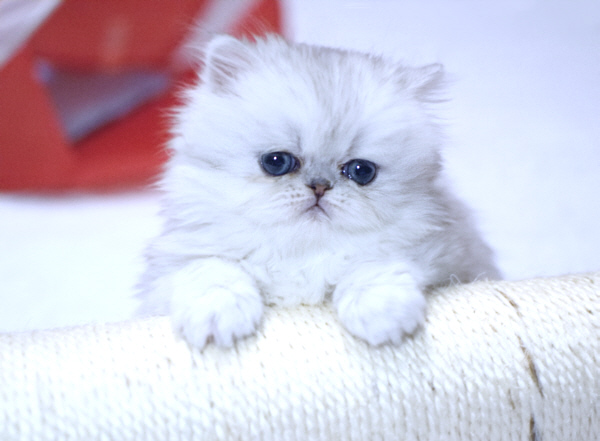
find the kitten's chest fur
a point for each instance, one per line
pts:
(307, 277)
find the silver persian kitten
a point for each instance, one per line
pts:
(302, 174)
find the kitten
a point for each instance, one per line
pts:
(303, 174)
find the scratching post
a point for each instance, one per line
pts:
(495, 361)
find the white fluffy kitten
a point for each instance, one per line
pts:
(301, 174)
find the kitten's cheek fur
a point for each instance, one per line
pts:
(380, 306)
(215, 300)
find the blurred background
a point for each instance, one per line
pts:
(522, 125)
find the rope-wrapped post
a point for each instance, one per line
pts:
(495, 361)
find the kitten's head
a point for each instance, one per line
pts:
(279, 135)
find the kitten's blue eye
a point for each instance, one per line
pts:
(279, 163)
(360, 171)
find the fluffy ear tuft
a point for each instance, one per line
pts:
(225, 58)
(423, 82)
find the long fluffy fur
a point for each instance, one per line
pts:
(236, 238)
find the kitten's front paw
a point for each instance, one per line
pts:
(382, 312)
(220, 315)
(212, 312)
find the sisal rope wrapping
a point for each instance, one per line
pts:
(495, 361)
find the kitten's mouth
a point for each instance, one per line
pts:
(317, 210)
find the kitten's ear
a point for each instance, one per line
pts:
(425, 83)
(225, 58)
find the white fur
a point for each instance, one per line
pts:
(230, 306)
(234, 233)
(380, 302)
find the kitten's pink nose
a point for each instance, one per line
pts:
(319, 187)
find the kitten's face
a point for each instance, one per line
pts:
(311, 138)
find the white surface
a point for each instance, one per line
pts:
(523, 148)
(71, 260)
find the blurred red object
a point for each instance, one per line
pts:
(116, 42)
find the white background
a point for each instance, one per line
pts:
(523, 126)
